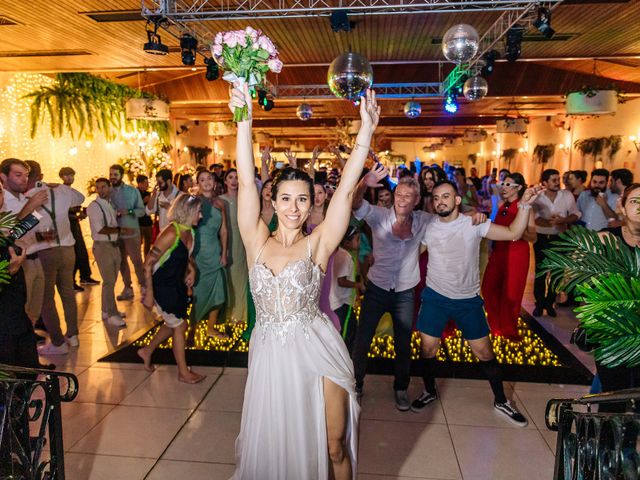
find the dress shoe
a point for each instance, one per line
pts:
(551, 312)
(537, 312)
(89, 281)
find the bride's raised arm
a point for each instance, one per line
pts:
(336, 220)
(253, 230)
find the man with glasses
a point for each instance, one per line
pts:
(555, 210)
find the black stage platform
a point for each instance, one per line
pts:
(539, 357)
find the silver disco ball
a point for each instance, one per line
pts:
(412, 109)
(349, 76)
(304, 111)
(460, 43)
(475, 88)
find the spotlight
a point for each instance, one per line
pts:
(451, 103)
(154, 44)
(213, 72)
(188, 46)
(543, 22)
(340, 21)
(264, 101)
(514, 43)
(489, 62)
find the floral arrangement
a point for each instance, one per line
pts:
(133, 165)
(157, 161)
(91, 185)
(187, 169)
(246, 56)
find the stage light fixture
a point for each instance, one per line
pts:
(514, 43)
(188, 46)
(451, 103)
(543, 22)
(489, 59)
(339, 20)
(213, 72)
(154, 44)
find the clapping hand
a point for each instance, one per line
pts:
(240, 97)
(369, 110)
(374, 176)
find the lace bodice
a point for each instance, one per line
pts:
(287, 301)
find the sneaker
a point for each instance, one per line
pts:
(105, 315)
(402, 400)
(511, 413)
(127, 294)
(78, 288)
(422, 401)
(116, 321)
(89, 281)
(72, 340)
(51, 349)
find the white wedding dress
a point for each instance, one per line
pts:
(293, 347)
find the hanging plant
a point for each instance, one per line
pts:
(590, 91)
(81, 103)
(509, 154)
(599, 146)
(543, 153)
(200, 154)
(473, 158)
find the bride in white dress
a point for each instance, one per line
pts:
(300, 414)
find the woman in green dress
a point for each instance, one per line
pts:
(210, 252)
(237, 270)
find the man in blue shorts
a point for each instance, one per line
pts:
(453, 287)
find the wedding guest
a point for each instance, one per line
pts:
(76, 214)
(267, 212)
(554, 210)
(453, 287)
(105, 231)
(505, 277)
(145, 222)
(169, 271)
(162, 196)
(577, 179)
(127, 202)
(55, 249)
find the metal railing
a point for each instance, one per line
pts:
(30, 418)
(597, 445)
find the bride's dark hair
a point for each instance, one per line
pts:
(288, 174)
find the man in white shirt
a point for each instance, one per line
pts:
(162, 197)
(14, 174)
(597, 205)
(555, 210)
(55, 249)
(453, 289)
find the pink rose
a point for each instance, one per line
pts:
(218, 38)
(230, 39)
(252, 32)
(275, 65)
(241, 38)
(265, 43)
(216, 50)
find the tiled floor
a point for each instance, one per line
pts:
(128, 424)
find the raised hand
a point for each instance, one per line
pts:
(375, 175)
(291, 157)
(369, 110)
(316, 153)
(266, 157)
(240, 97)
(530, 194)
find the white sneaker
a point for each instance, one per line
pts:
(51, 349)
(73, 340)
(105, 315)
(116, 321)
(127, 294)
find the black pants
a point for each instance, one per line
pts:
(82, 256)
(342, 313)
(542, 291)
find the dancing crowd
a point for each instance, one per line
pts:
(259, 246)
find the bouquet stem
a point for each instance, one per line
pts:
(241, 114)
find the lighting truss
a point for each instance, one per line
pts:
(203, 10)
(498, 30)
(383, 90)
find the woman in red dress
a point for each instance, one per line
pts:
(506, 275)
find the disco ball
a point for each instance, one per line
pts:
(304, 111)
(349, 76)
(460, 43)
(412, 109)
(475, 88)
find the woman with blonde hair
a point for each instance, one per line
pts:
(169, 271)
(300, 413)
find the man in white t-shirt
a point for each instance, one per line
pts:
(453, 287)
(162, 197)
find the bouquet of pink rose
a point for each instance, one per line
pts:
(246, 56)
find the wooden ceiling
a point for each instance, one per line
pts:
(64, 36)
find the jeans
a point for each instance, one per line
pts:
(376, 303)
(542, 291)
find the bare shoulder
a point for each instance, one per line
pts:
(218, 203)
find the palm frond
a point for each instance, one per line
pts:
(612, 291)
(581, 255)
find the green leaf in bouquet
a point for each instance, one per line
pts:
(261, 54)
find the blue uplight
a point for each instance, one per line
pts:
(451, 104)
